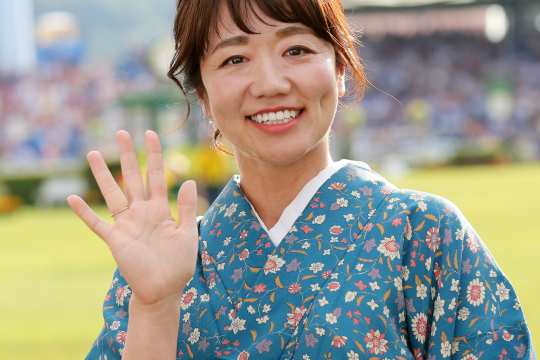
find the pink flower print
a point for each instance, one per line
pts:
(375, 342)
(293, 265)
(389, 247)
(188, 298)
(294, 288)
(255, 225)
(294, 317)
(263, 346)
(397, 221)
(121, 294)
(273, 264)
(339, 341)
(311, 340)
(212, 280)
(259, 288)
(326, 274)
(476, 292)
(369, 245)
(333, 286)
(472, 243)
(507, 336)
(205, 258)
(433, 240)
(244, 355)
(360, 285)
(336, 230)
(121, 337)
(244, 254)
(419, 327)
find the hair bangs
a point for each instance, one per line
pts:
(244, 12)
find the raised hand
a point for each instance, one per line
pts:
(155, 253)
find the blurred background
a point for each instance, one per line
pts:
(453, 108)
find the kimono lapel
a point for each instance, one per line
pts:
(270, 290)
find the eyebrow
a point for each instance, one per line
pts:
(281, 33)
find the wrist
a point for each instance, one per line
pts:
(165, 305)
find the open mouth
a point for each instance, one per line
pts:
(277, 117)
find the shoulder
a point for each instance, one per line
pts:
(420, 203)
(433, 222)
(418, 207)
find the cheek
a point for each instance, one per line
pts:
(224, 98)
(318, 80)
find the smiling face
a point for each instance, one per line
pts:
(273, 94)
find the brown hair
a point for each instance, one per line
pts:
(195, 19)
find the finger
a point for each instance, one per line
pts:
(89, 217)
(155, 175)
(187, 205)
(113, 195)
(130, 167)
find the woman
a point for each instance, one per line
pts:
(300, 257)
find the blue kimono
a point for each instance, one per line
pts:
(368, 271)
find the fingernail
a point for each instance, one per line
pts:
(191, 183)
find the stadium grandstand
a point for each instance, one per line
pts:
(450, 82)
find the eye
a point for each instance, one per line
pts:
(233, 60)
(298, 50)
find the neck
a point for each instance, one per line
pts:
(271, 187)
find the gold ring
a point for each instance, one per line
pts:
(119, 211)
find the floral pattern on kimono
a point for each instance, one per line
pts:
(367, 271)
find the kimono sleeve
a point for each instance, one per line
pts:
(459, 303)
(110, 343)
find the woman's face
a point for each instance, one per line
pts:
(273, 95)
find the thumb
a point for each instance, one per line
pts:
(187, 204)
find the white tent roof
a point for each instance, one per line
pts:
(351, 4)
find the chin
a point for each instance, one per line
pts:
(286, 156)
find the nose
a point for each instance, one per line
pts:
(268, 78)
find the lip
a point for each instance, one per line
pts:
(278, 128)
(275, 109)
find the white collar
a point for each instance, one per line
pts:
(295, 208)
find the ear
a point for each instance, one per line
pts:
(341, 80)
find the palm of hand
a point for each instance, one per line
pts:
(155, 253)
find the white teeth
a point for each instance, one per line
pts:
(279, 117)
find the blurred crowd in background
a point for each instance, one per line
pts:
(48, 115)
(439, 98)
(445, 93)
(455, 85)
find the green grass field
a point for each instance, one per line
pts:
(54, 272)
